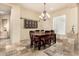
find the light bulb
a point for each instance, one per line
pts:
(40, 17)
(42, 14)
(48, 15)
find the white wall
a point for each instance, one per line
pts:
(0, 23)
(71, 17)
(15, 28)
(28, 14)
(46, 24)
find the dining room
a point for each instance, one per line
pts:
(43, 29)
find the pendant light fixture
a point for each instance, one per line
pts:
(44, 15)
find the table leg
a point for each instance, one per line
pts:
(39, 45)
(31, 45)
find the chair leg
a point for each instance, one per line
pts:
(35, 44)
(44, 45)
(50, 41)
(39, 46)
(31, 45)
(54, 40)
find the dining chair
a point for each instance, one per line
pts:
(52, 31)
(48, 37)
(42, 30)
(31, 37)
(53, 36)
(37, 30)
(35, 40)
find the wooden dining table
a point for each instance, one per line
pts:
(40, 35)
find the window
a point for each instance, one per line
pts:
(59, 24)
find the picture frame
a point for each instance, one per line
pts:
(30, 23)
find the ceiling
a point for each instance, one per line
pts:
(38, 7)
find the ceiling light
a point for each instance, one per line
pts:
(44, 15)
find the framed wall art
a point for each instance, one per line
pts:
(30, 23)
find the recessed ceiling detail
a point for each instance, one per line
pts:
(38, 7)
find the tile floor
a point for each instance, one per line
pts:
(58, 49)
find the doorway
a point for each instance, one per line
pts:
(5, 21)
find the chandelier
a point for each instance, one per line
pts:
(44, 15)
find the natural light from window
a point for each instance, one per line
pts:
(59, 24)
